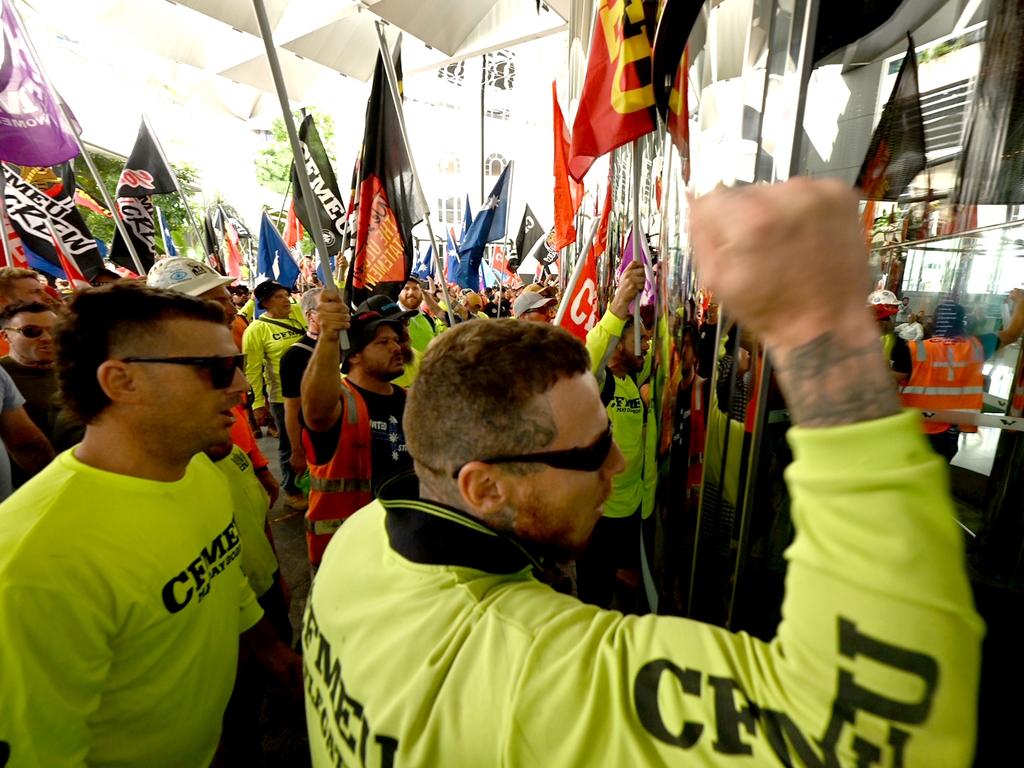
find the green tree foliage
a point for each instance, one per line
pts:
(274, 161)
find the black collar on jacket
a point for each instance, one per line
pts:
(435, 534)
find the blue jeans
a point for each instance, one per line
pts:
(284, 451)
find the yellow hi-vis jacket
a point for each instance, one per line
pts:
(428, 642)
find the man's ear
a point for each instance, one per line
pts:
(485, 489)
(120, 381)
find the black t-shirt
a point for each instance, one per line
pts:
(293, 364)
(706, 350)
(389, 455)
(38, 385)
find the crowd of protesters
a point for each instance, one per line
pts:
(458, 472)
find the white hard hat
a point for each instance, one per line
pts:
(185, 275)
(883, 297)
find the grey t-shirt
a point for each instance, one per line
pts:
(10, 398)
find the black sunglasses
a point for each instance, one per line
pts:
(589, 458)
(220, 367)
(31, 331)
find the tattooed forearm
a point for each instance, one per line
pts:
(836, 380)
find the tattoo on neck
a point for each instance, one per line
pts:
(832, 381)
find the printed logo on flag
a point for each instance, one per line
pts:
(583, 309)
(137, 179)
(382, 256)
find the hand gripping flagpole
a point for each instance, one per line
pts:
(389, 68)
(73, 128)
(577, 270)
(300, 165)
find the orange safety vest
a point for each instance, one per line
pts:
(946, 375)
(341, 486)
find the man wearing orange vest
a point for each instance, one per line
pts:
(945, 371)
(352, 432)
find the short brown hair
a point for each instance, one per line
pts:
(475, 394)
(103, 320)
(7, 314)
(9, 274)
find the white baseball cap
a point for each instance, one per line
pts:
(185, 275)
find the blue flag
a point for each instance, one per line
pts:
(490, 225)
(489, 276)
(165, 231)
(451, 266)
(424, 266)
(467, 222)
(274, 260)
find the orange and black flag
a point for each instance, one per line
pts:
(617, 103)
(387, 208)
(897, 152)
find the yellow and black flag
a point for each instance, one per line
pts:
(386, 204)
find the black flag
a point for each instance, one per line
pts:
(213, 234)
(145, 173)
(530, 231)
(29, 208)
(137, 217)
(387, 207)
(896, 153)
(330, 211)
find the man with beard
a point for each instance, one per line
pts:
(428, 640)
(422, 327)
(609, 572)
(353, 438)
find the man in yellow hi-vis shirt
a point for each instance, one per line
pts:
(428, 640)
(121, 595)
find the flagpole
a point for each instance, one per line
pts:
(8, 258)
(635, 209)
(389, 69)
(293, 137)
(577, 270)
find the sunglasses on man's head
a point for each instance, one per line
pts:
(589, 458)
(221, 368)
(31, 331)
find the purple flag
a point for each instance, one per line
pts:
(647, 296)
(31, 129)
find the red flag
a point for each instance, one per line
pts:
(617, 103)
(293, 230)
(14, 247)
(86, 200)
(499, 263)
(67, 262)
(581, 314)
(234, 248)
(568, 192)
(678, 123)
